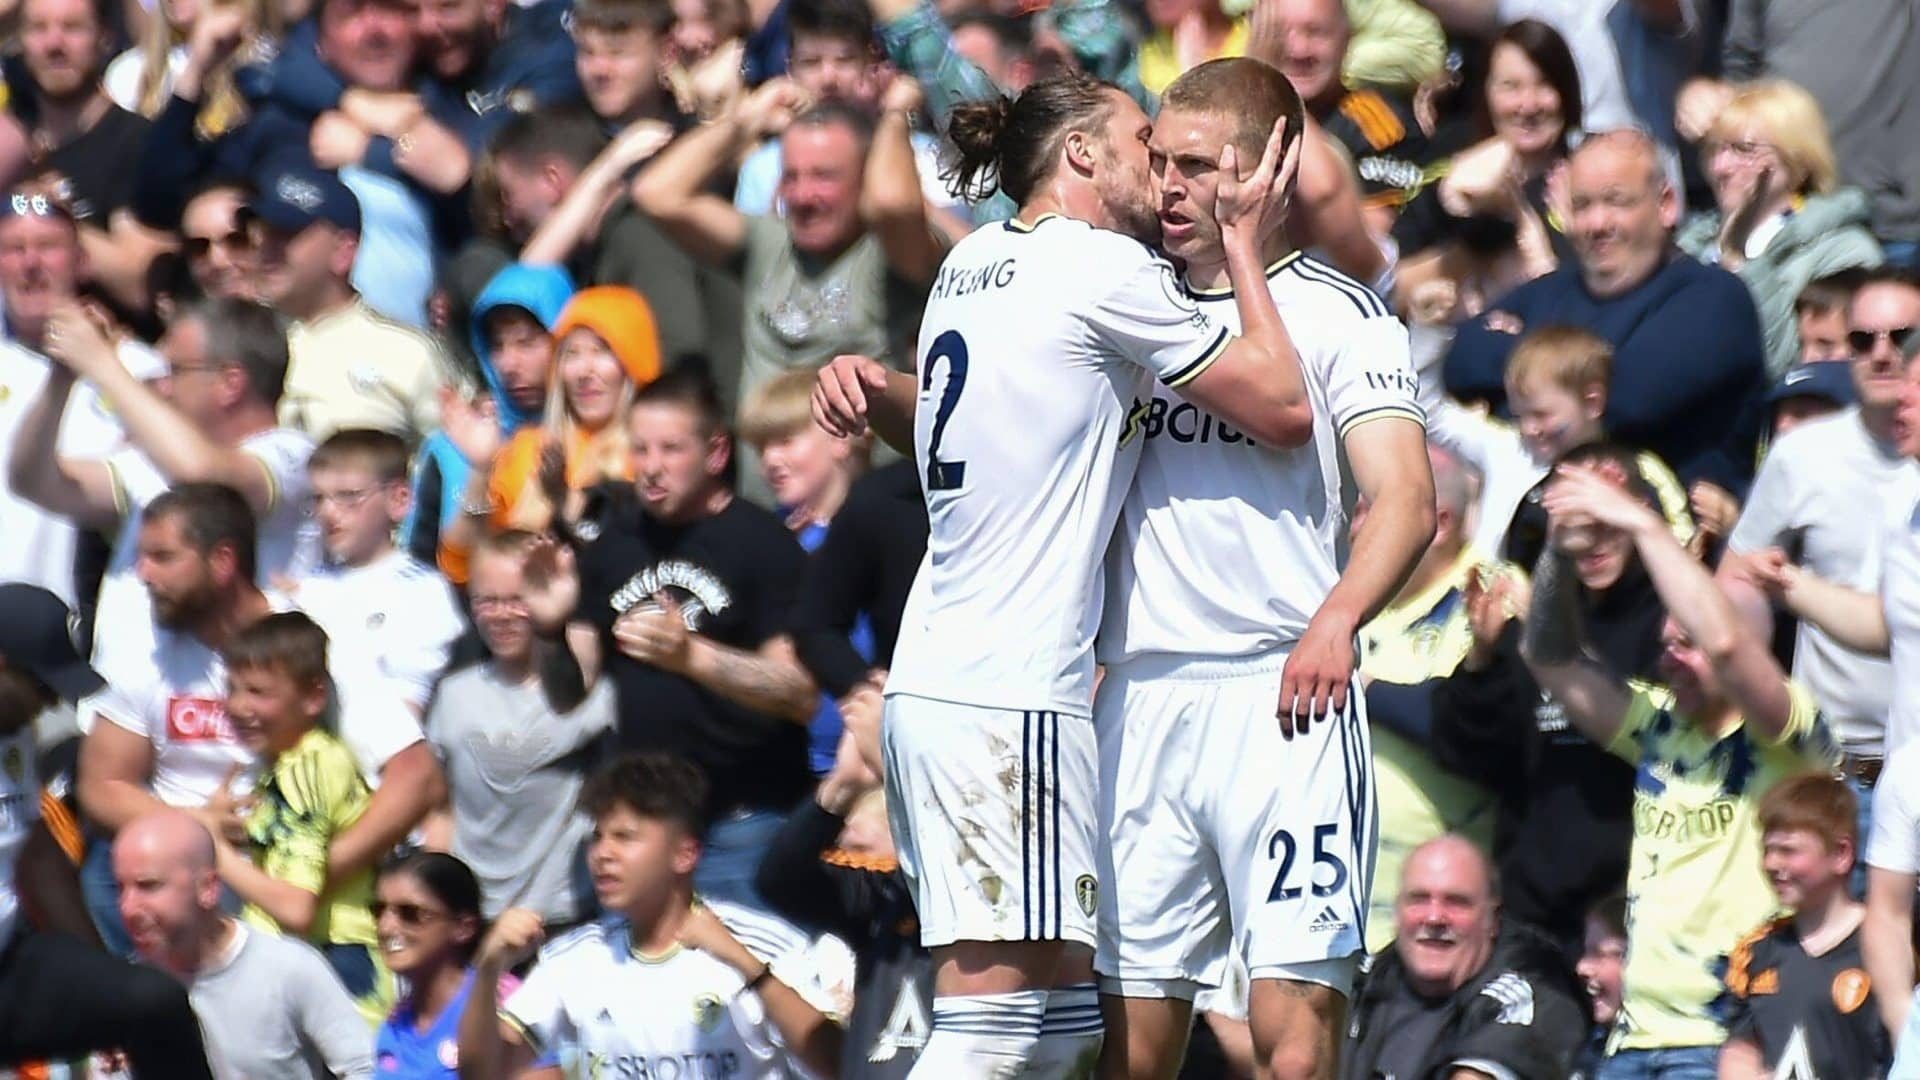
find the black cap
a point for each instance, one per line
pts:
(37, 634)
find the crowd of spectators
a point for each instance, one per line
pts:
(416, 545)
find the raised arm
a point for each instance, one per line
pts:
(183, 453)
(1552, 644)
(672, 189)
(891, 200)
(579, 214)
(72, 488)
(1741, 658)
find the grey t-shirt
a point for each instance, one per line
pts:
(275, 1009)
(802, 311)
(515, 770)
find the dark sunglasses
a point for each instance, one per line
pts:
(411, 914)
(1863, 341)
(198, 246)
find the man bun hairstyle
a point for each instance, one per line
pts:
(1010, 144)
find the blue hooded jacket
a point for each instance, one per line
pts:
(543, 291)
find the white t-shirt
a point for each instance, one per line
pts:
(1815, 481)
(1179, 577)
(19, 809)
(288, 539)
(36, 547)
(390, 625)
(682, 1014)
(175, 697)
(1035, 354)
(1893, 842)
(1898, 562)
(122, 78)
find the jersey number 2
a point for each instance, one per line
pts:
(952, 348)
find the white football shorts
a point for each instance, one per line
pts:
(1221, 836)
(992, 811)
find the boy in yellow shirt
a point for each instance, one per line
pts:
(310, 789)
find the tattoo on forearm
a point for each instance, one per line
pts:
(1552, 634)
(754, 681)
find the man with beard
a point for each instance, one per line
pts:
(157, 735)
(270, 1006)
(1214, 659)
(59, 995)
(83, 139)
(1035, 358)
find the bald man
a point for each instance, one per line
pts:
(271, 1006)
(1463, 994)
(61, 995)
(1689, 375)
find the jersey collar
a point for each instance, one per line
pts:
(1226, 291)
(1014, 224)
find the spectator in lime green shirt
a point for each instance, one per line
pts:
(1706, 748)
(309, 791)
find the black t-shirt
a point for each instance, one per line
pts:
(1410, 1026)
(1815, 1012)
(95, 179)
(733, 576)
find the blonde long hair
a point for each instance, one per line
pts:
(222, 108)
(608, 451)
(1793, 122)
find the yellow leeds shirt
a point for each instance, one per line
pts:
(310, 795)
(1423, 638)
(1694, 883)
(1160, 61)
(355, 368)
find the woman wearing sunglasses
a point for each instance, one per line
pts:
(428, 908)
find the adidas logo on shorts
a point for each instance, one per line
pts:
(1327, 922)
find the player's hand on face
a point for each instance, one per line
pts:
(513, 937)
(841, 391)
(1313, 684)
(655, 635)
(1257, 200)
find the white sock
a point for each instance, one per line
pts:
(988, 1036)
(1070, 1034)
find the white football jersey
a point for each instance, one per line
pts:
(1035, 350)
(1227, 548)
(287, 538)
(682, 1014)
(390, 625)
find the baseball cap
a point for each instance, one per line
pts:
(37, 636)
(1829, 381)
(296, 196)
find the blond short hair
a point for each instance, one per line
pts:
(1564, 356)
(1791, 120)
(778, 407)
